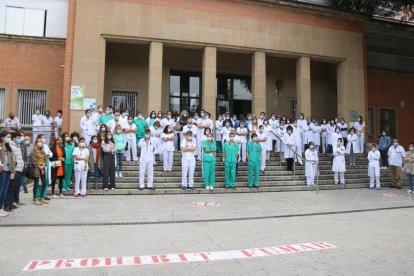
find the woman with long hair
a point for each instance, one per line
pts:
(68, 147)
(58, 166)
(38, 159)
(108, 151)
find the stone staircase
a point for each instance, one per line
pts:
(274, 179)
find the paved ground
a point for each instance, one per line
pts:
(372, 230)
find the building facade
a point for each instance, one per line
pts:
(285, 57)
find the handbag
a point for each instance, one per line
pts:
(177, 126)
(29, 173)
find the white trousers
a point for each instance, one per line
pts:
(242, 152)
(361, 142)
(341, 176)
(80, 176)
(149, 168)
(310, 180)
(323, 144)
(87, 138)
(374, 179)
(132, 145)
(199, 147)
(167, 159)
(263, 161)
(188, 169)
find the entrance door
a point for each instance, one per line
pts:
(388, 121)
(125, 100)
(234, 94)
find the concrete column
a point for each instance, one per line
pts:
(303, 86)
(155, 76)
(259, 82)
(341, 86)
(209, 80)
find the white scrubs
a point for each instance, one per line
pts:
(146, 162)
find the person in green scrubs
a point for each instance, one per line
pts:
(254, 157)
(230, 156)
(69, 162)
(104, 119)
(141, 125)
(209, 161)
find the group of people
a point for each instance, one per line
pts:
(108, 137)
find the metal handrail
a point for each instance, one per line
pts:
(373, 136)
(296, 155)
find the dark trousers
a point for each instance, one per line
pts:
(289, 162)
(384, 157)
(42, 178)
(22, 183)
(11, 191)
(60, 178)
(108, 170)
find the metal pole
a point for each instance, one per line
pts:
(317, 178)
(294, 168)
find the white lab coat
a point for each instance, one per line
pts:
(311, 165)
(361, 135)
(268, 131)
(146, 162)
(289, 140)
(88, 128)
(308, 133)
(225, 134)
(219, 127)
(338, 164)
(157, 140)
(58, 122)
(334, 139)
(167, 122)
(352, 139)
(316, 132)
(279, 142)
(396, 155)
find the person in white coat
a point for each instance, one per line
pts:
(280, 146)
(396, 154)
(87, 124)
(188, 148)
(301, 127)
(338, 164)
(316, 135)
(47, 126)
(37, 121)
(225, 132)
(289, 151)
(374, 167)
(268, 130)
(360, 131)
(242, 132)
(130, 130)
(307, 129)
(147, 147)
(202, 123)
(335, 136)
(311, 164)
(219, 127)
(353, 146)
(344, 131)
(168, 148)
(156, 132)
(81, 168)
(324, 135)
(299, 144)
(168, 121)
(58, 123)
(262, 140)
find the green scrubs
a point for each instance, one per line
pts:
(69, 163)
(141, 126)
(254, 149)
(209, 163)
(231, 150)
(104, 119)
(219, 147)
(39, 188)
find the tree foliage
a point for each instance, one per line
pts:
(395, 9)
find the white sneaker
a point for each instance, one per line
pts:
(3, 213)
(55, 196)
(409, 191)
(120, 174)
(211, 188)
(113, 189)
(116, 174)
(61, 196)
(106, 189)
(208, 188)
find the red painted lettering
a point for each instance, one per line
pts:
(322, 245)
(306, 247)
(246, 253)
(33, 265)
(288, 249)
(58, 263)
(204, 255)
(182, 257)
(68, 263)
(119, 260)
(155, 259)
(137, 260)
(164, 259)
(265, 251)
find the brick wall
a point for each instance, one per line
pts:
(27, 63)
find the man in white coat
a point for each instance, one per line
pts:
(289, 142)
(374, 167)
(87, 124)
(311, 164)
(338, 165)
(58, 123)
(202, 123)
(242, 132)
(47, 126)
(146, 161)
(396, 154)
(130, 130)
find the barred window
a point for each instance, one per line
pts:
(28, 101)
(125, 100)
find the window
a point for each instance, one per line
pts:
(23, 21)
(2, 94)
(234, 94)
(125, 100)
(28, 101)
(185, 92)
(388, 121)
(293, 108)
